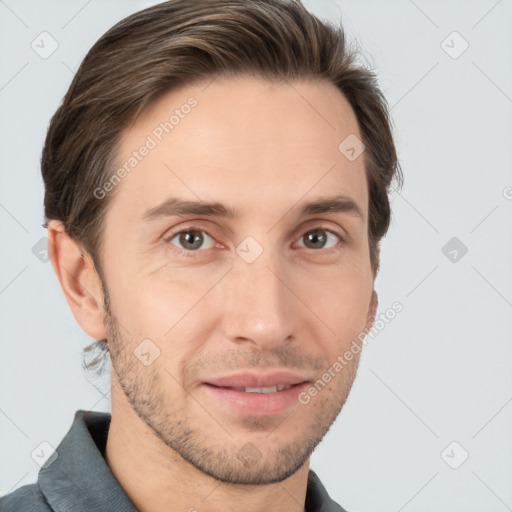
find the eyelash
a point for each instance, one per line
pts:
(188, 253)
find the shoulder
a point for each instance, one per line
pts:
(25, 499)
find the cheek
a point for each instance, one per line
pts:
(174, 309)
(342, 304)
(341, 294)
(161, 300)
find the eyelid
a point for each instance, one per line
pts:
(324, 224)
(168, 237)
(194, 227)
(340, 237)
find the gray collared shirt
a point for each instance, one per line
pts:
(79, 479)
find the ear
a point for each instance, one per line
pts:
(372, 310)
(78, 279)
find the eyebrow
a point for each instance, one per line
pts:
(174, 206)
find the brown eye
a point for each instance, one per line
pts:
(319, 238)
(192, 240)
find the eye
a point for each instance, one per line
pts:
(192, 240)
(319, 238)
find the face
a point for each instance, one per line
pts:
(237, 266)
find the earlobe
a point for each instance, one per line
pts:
(78, 279)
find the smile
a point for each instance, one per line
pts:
(270, 389)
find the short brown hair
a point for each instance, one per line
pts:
(183, 41)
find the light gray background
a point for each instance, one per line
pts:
(439, 372)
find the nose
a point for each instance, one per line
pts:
(259, 307)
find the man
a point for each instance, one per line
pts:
(216, 189)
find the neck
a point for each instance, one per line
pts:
(157, 478)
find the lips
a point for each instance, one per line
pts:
(253, 380)
(256, 394)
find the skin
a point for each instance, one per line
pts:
(265, 149)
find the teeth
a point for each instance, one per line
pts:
(270, 389)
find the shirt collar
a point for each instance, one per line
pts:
(79, 480)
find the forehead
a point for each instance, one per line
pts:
(245, 142)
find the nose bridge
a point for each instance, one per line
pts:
(259, 307)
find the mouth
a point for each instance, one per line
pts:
(260, 382)
(268, 389)
(256, 395)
